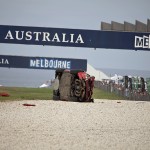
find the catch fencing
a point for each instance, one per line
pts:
(123, 92)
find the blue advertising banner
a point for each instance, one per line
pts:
(42, 63)
(74, 37)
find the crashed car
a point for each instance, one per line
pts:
(73, 85)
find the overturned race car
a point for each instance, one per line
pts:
(73, 85)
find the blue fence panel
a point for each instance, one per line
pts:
(42, 63)
(74, 37)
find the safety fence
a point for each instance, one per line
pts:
(123, 92)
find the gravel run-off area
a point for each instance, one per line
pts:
(61, 125)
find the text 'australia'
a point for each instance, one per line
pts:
(44, 37)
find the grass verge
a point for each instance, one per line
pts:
(101, 94)
(21, 93)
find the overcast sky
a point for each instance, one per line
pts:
(77, 14)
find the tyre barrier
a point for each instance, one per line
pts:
(122, 91)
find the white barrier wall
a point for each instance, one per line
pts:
(99, 75)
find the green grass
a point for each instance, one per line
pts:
(18, 93)
(21, 93)
(101, 94)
